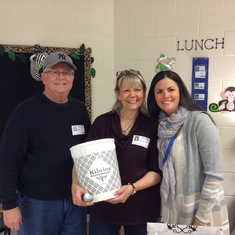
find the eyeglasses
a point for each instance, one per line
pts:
(123, 73)
(57, 73)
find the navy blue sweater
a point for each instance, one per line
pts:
(34, 152)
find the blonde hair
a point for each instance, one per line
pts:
(132, 77)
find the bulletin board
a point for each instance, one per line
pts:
(200, 70)
(17, 84)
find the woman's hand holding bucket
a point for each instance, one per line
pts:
(121, 195)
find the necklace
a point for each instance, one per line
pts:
(124, 131)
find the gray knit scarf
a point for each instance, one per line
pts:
(168, 126)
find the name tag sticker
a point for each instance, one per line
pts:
(141, 141)
(78, 130)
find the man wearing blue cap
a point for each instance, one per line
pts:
(35, 160)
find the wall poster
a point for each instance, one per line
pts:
(200, 81)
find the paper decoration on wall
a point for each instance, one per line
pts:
(164, 63)
(36, 62)
(227, 104)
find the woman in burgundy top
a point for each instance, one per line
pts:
(137, 201)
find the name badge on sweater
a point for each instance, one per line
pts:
(78, 129)
(141, 141)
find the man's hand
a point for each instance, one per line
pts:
(12, 218)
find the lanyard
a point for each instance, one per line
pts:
(170, 146)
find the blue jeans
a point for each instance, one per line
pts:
(55, 217)
(100, 228)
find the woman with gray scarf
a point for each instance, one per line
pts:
(189, 156)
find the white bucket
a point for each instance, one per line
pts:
(97, 168)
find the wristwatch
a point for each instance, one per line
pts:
(134, 189)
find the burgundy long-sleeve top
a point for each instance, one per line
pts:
(137, 154)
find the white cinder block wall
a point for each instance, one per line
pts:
(143, 29)
(132, 34)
